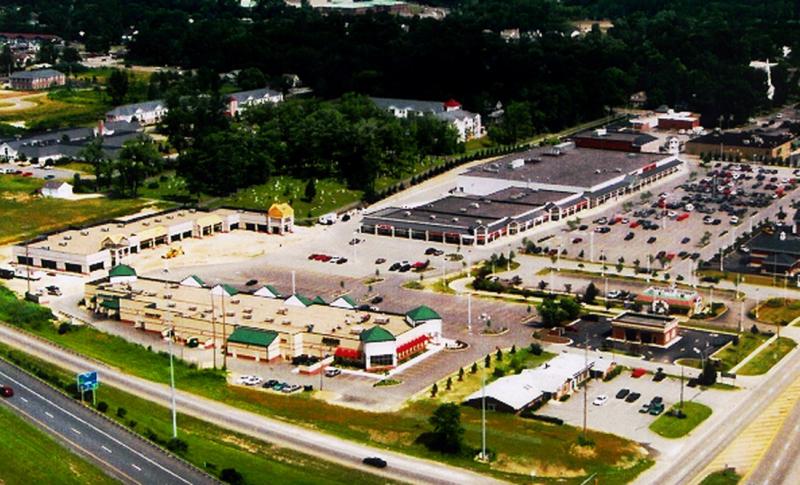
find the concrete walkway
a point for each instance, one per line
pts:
(754, 353)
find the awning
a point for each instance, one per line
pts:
(209, 220)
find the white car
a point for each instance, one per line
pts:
(614, 294)
(600, 400)
(249, 380)
(688, 208)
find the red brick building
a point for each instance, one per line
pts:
(645, 329)
(36, 80)
(673, 120)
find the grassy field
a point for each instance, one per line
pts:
(510, 364)
(733, 354)
(82, 167)
(778, 311)
(61, 108)
(768, 357)
(25, 449)
(209, 447)
(672, 427)
(722, 477)
(25, 215)
(522, 446)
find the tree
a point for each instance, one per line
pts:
(93, 154)
(251, 78)
(434, 390)
(117, 87)
(311, 190)
(474, 368)
(709, 374)
(590, 294)
(499, 355)
(460, 374)
(137, 160)
(448, 434)
(232, 476)
(487, 362)
(555, 312)
(449, 384)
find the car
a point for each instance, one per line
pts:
(657, 400)
(602, 220)
(269, 384)
(645, 408)
(27, 174)
(405, 268)
(363, 308)
(583, 227)
(251, 282)
(49, 176)
(248, 380)
(374, 461)
(6, 391)
(623, 393)
(651, 240)
(614, 294)
(430, 251)
(380, 261)
(656, 409)
(577, 240)
(633, 397)
(354, 241)
(686, 240)
(332, 372)
(638, 372)
(290, 388)
(602, 229)
(600, 400)
(394, 267)
(629, 236)
(341, 260)
(377, 299)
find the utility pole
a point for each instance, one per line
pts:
(213, 331)
(224, 330)
(483, 414)
(681, 387)
(469, 312)
(28, 268)
(586, 385)
(294, 290)
(741, 316)
(172, 379)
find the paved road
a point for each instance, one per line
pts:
(121, 453)
(400, 467)
(726, 424)
(781, 463)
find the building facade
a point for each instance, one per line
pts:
(644, 329)
(36, 80)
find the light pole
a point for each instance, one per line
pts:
(469, 312)
(172, 379)
(483, 415)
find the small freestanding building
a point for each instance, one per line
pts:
(56, 189)
(280, 218)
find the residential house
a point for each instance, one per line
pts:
(467, 124)
(241, 101)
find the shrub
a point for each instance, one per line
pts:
(232, 476)
(64, 327)
(498, 372)
(121, 412)
(102, 406)
(536, 349)
(177, 445)
(614, 373)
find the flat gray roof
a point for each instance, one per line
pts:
(579, 167)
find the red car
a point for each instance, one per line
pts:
(418, 265)
(682, 217)
(27, 174)
(638, 372)
(312, 256)
(634, 225)
(6, 391)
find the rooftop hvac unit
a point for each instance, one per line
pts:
(146, 223)
(247, 316)
(105, 229)
(170, 217)
(407, 213)
(62, 244)
(601, 132)
(463, 209)
(475, 205)
(455, 219)
(286, 322)
(192, 211)
(157, 219)
(67, 238)
(235, 301)
(170, 305)
(84, 233)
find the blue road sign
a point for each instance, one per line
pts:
(88, 381)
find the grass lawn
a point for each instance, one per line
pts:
(521, 445)
(209, 447)
(778, 311)
(25, 215)
(768, 357)
(61, 108)
(722, 477)
(26, 449)
(673, 427)
(331, 195)
(733, 354)
(82, 167)
(511, 363)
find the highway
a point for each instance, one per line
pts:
(324, 446)
(119, 452)
(690, 462)
(781, 463)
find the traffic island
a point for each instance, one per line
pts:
(680, 421)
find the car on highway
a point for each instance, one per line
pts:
(374, 461)
(600, 400)
(623, 393)
(6, 391)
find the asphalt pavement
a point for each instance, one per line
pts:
(119, 452)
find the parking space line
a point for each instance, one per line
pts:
(138, 469)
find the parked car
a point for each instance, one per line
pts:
(577, 240)
(645, 408)
(651, 240)
(394, 267)
(657, 400)
(686, 240)
(332, 372)
(638, 372)
(629, 236)
(269, 384)
(633, 397)
(6, 391)
(623, 393)
(380, 261)
(251, 282)
(377, 299)
(600, 400)
(49, 176)
(374, 461)
(602, 229)
(656, 409)
(248, 380)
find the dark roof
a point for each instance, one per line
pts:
(570, 167)
(643, 320)
(253, 336)
(376, 334)
(244, 96)
(37, 74)
(134, 108)
(636, 139)
(53, 184)
(745, 139)
(772, 243)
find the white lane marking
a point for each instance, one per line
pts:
(23, 399)
(95, 428)
(49, 415)
(75, 431)
(105, 448)
(136, 467)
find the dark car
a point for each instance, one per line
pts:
(364, 308)
(376, 300)
(394, 267)
(251, 282)
(583, 227)
(374, 461)
(341, 260)
(269, 384)
(632, 397)
(6, 391)
(405, 268)
(686, 240)
(430, 251)
(622, 393)
(629, 236)
(657, 400)
(380, 260)
(651, 240)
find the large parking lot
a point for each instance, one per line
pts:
(689, 219)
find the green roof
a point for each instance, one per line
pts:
(253, 336)
(376, 334)
(304, 300)
(122, 270)
(349, 300)
(318, 301)
(111, 304)
(197, 280)
(230, 290)
(273, 290)
(422, 313)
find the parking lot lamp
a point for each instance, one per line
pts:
(721, 260)
(469, 312)
(681, 406)
(172, 378)
(483, 415)
(591, 246)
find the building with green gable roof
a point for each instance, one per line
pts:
(253, 343)
(422, 314)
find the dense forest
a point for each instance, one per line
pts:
(682, 53)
